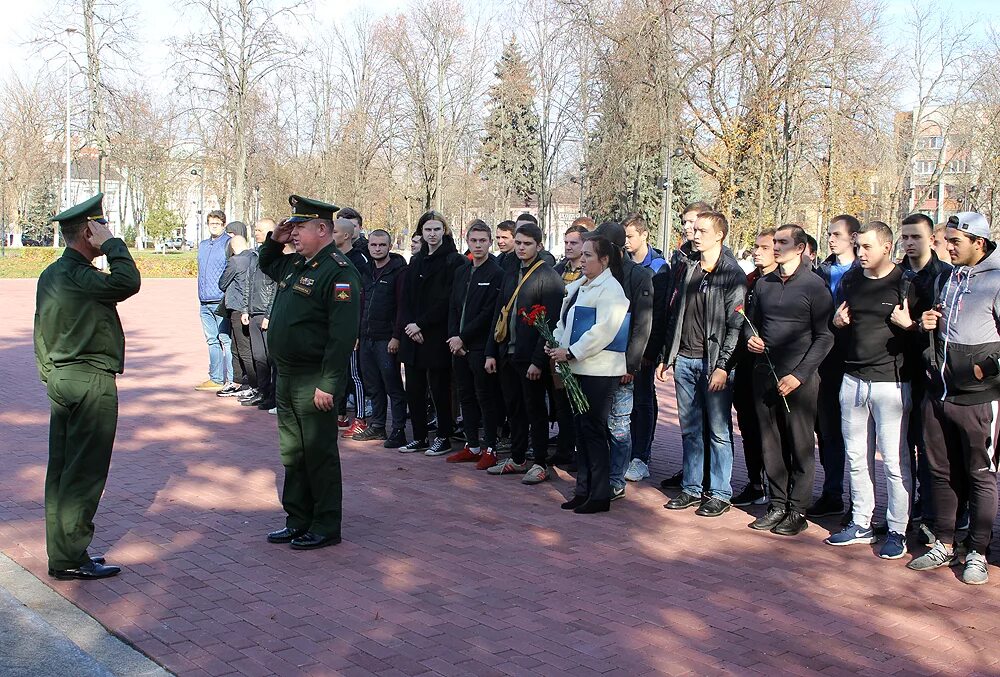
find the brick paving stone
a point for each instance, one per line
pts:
(444, 570)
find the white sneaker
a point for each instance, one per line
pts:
(637, 471)
(273, 411)
(975, 569)
(535, 475)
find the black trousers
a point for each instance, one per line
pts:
(832, 453)
(258, 351)
(478, 393)
(243, 371)
(417, 382)
(787, 440)
(593, 452)
(526, 412)
(962, 455)
(746, 415)
(383, 383)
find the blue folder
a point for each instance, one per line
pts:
(584, 317)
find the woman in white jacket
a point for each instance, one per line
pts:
(593, 335)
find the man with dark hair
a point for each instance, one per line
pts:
(960, 410)
(812, 251)
(637, 282)
(916, 238)
(79, 348)
(516, 351)
(743, 398)
(841, 235)
(876, 330)
(703, 331)
(637, 244)
(211, 263)
(344, 239)
(314, 327)
(259, 302)
(688, 217)
(508, 259)
(788, 331)
(473, 301)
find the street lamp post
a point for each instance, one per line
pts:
(667, 193)
(3, 216)
(68, 195)
(201, 199)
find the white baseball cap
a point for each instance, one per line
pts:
(973, 223)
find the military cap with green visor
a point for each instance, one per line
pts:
(306, 209)
(89, 210)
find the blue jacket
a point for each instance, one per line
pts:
(211, 263)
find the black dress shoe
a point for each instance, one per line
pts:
(713, 507)
(775, 514)
(311, 541)
(285, 535)
(793, 524)
(97, 560)
(85, 572)
(591, 507)
(685, 500)
(574, 503)
(252, 401)
(673, 482)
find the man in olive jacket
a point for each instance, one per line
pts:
(79, 347)
(313, 329)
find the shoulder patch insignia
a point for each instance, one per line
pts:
(342, 291)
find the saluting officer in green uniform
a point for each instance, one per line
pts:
(79, 347)
(311, 333)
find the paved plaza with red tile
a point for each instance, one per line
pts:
(443, 570)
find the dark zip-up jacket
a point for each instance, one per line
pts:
(725, 289)
(235, 280)
(474, 293)
(261, 290)
(923, 281)
(383, 296)
(544, 288)
(637, 282)
(793, 318)
(426, 294)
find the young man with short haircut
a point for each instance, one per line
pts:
(703, 330)
(960, 410)
(688, 217)
(473, 300)
(344, 232)
(637, 244)
(841, 235)
(569, 268)
(789, 333)
(876, 329)
(218, 333)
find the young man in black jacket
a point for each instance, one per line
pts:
(791, 311)
(520, 357)
(259, 309)
(703, 330)
(344, 231)
(473, 300)
(379, 343)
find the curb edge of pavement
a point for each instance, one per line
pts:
(111, 652)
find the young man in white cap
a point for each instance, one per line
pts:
(960, 410)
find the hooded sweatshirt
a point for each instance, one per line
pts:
(968, 334)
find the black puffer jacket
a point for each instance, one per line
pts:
(381, 308)
(262, 290)
(426, 295)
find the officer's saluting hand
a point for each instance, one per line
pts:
(312, 331)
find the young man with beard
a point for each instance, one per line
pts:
(516, 351)
(379, 349)
(473, 300)
(743, 399)
(344, 231)
(791, 311)
(960, 410)
(703, 331)
(876, 328)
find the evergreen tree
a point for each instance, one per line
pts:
(43, 204)
(510, 155)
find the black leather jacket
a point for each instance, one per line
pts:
(262, 290)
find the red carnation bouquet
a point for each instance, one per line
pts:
(537, 318)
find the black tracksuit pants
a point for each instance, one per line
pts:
(478, 393)
(243, 371)
(526, 411)
(746, 415)
(261, 364)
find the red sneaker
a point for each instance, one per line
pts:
(463, 456)
(359, 426)
(487, 459)
(343, 422)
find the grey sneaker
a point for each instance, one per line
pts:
(975, 569)
(508, 467)
(937, 556)
(536, 475)
(637, 471)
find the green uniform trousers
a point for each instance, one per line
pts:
(312, 495)
(82, 424)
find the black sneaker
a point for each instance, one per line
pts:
(396, 440)
(826, 506)
(264, 405)
(750, 495)
(252, 401)
(247, 394)
(674, 482)
(232, 390)
(775, 515)
(439, 447)
(713, 507)
(793, 524)
(617, 492)
(684, 500)
(415, 445)
(370, 434)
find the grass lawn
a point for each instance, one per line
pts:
(31, 261)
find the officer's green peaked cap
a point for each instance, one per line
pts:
(306, 209)
(90, 210)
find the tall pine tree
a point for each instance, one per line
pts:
(510, 155)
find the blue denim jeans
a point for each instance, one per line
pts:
(219, 339)
(696, 407)
(620, 433)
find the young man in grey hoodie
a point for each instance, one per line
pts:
(960, 410)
